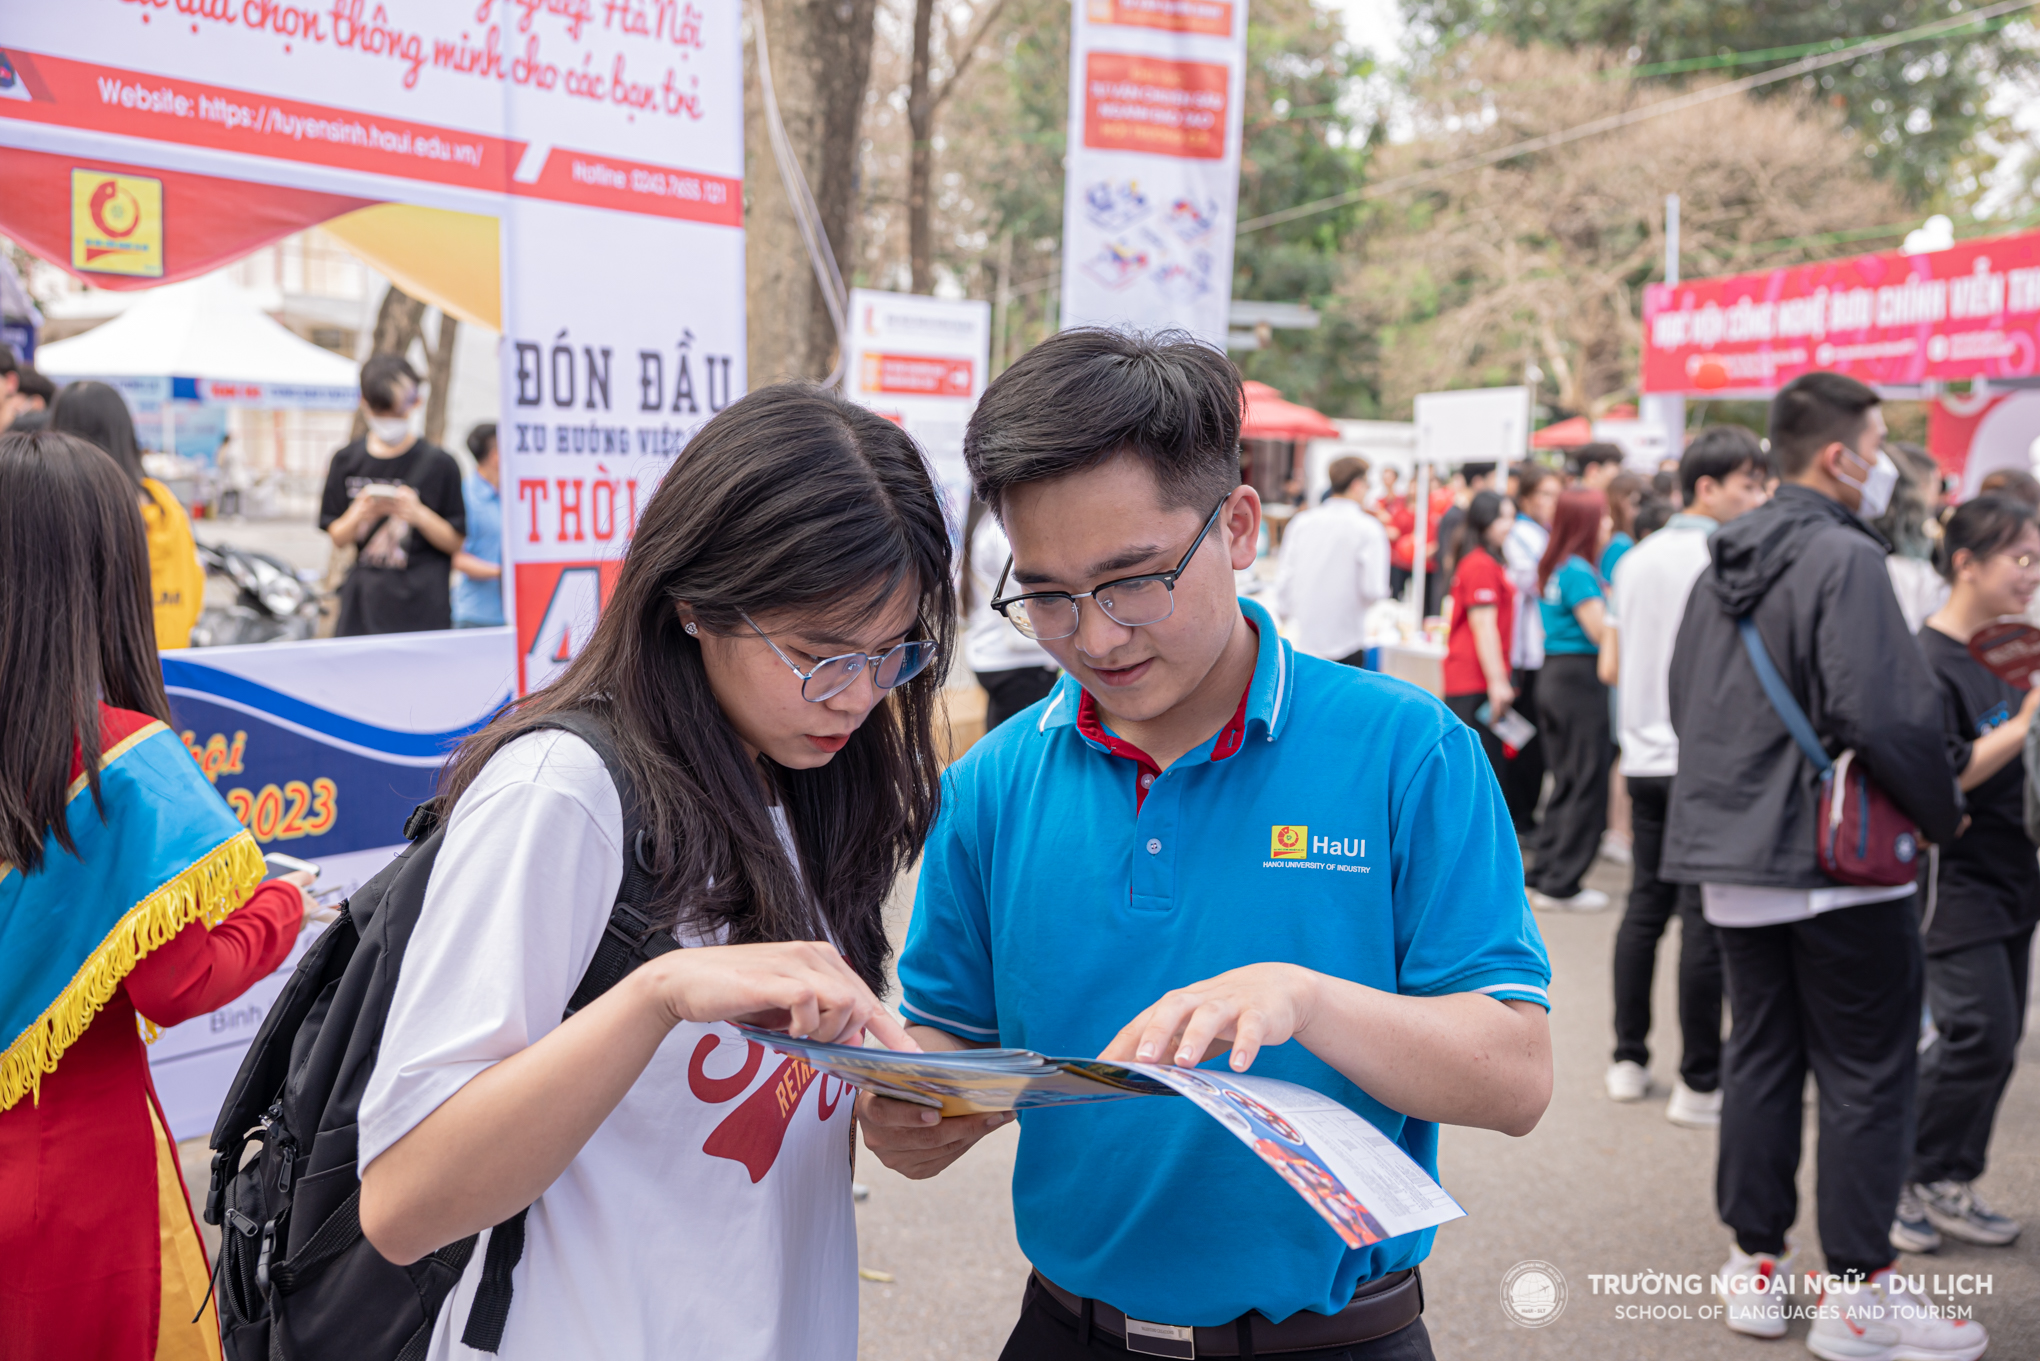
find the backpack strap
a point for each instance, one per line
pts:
(1781, 698)
(631, 938)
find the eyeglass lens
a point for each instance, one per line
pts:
(1129, 604)
(896, 667)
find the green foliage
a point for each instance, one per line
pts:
(1920, 108)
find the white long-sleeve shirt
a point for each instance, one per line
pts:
(1334, 567)
(1520, 552)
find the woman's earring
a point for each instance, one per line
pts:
(690, 630)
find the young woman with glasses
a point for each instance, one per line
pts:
(763, 670)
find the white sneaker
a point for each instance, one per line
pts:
(1615, 848)
(1956, 1210)
(1694, 1110)
(1751, 1305)
(1628, 1080)
(1882, 1320)
(1911, 1230)
(1586, 900)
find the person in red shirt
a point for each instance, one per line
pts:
(1483, 610)
(126, 888)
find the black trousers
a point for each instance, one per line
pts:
(1978, 997)
(1523, 775)
(1652, 903)
(1357, 659)
(1465, 707)
(1839, 993)
(1572, 705)
(1048, 1332)
(1008, 692)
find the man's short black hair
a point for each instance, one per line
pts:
(35, 383)
(1813, 411)
(1587, 455)
(1472, 470)
(8, 363)
(1080, 397)
(1718, 451)
(480, 438)
(379, 379)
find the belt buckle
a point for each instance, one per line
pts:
(1161, 1339)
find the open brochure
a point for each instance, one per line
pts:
(1362, 1184)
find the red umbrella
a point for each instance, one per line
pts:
(1269, 417)
(1566, 434)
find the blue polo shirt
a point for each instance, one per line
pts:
(1346, 821)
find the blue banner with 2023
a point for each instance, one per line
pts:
(321, 749)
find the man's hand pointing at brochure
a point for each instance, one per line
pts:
(1241, 1009)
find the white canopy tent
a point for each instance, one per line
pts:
(207, 341)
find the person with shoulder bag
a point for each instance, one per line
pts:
(1984, 894)
(563, 1148)
(1797, 695)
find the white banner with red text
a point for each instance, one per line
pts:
(1153, 166)
(923, 363)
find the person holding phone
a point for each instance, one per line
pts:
(1204, 844)
(395, 500)
(764, 669)
(127, 890)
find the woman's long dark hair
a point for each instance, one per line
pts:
(98, 413)
(792, 500)
(1481, 514)
(1984, 525)
(1575, 529)
(76, 626)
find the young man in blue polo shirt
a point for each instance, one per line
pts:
(1202, 844)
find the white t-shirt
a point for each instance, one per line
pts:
(990, 643)
(1646, 604)
(1520, 552)
(710, 1214)
(1744, 905)
(1334, 567)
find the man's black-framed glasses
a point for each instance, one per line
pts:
(831, 676)
(1129, 601)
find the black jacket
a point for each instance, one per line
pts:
(1744, 801)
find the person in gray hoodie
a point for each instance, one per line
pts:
(1819, 975)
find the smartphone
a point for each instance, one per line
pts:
(1514, 730)
(280, 865)
(389, 491)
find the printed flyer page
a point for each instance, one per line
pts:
(1352, 1174)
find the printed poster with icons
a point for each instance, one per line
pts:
(116, 224)
(922, 363)
(1153, 164)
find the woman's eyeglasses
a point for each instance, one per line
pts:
(831, 676)
(1129, 602)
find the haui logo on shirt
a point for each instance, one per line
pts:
(1288, 842)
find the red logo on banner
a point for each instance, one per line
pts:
(916, 376)
(1212, 17)
(1164, 108)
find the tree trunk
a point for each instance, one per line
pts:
(821, 63)
(440, 376)
(920, 154)
(397, 323)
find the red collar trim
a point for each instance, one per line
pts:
(1230, 739)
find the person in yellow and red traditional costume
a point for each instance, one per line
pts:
(127, 889)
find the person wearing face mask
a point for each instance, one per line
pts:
(1819, 975)
(395, 499)
(1978, 927)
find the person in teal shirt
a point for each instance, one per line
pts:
(1182, 855)
(1572, 704)
(478, 591)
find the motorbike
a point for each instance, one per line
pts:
(273, 602)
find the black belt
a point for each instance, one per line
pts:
(1379, 1307)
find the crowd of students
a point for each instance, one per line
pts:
(1094, 876)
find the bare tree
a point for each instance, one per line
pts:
(925, 98)
(821, 63)
(439, 375)
(1544, 258)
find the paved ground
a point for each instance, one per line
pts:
(1598, 1188)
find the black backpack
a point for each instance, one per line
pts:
(295, 1278)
